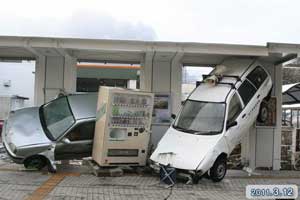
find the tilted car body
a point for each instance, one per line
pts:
(58, 130)
(214, 118)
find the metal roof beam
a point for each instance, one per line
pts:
(284, 48)
(65, 47)
(134, 46)
(63, 52)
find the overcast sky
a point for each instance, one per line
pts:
(217, 21)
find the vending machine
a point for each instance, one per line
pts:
(122, 130)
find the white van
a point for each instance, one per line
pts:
(214, 119)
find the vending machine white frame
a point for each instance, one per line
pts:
(122, 131)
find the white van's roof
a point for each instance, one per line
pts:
(218, 93)
(235, 67)
(210, 93)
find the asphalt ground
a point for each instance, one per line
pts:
(75, 181)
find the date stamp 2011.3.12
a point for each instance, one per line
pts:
(271, 191)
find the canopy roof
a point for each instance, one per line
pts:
(291, 94)
(130, 51)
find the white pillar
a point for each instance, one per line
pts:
(146, 72)
(162, 74)
(277, 131)
(245, 149)
(252, 147)
(70, 74)
(54, 74)
(176, 82)
(265, 142)
(54, 83)
(161, 77)
(39, 83)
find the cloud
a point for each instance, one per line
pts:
(81, 24)
(226, 21)
(92, 25)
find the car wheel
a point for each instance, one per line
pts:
(35, 162)
(218, 170)
(263, 112)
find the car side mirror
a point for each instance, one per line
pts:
(65, 141)
(231, 124)
(173, 116)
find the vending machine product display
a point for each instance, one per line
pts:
(123, 123)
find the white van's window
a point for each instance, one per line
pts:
(201, 117)
(246, 91)
(235, 108)
(257, 76)
(58, 117)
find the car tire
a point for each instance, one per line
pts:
(218, 170)
(35, 162)
(263, 112)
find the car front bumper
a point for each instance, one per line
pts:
(156, 168)
(14, 157)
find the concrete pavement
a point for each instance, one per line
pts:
(24, 184)
(77, 182)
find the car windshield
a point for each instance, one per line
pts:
(57, 117)
(201, 118)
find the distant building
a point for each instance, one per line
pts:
(190, 75)
(17, 79)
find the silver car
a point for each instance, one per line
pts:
(62, 129)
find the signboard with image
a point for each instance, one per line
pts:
(162, 109)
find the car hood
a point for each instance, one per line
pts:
(183, 150)
(23, 127)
